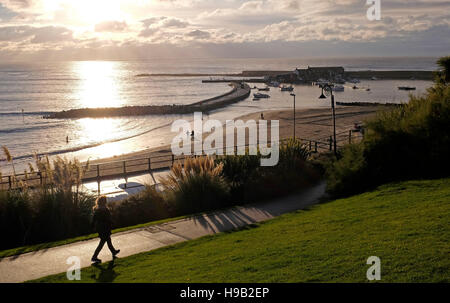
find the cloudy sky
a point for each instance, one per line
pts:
(133, 29)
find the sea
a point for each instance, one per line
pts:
(28, 91)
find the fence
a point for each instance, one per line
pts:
(133, 167)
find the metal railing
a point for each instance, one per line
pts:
(154, 163)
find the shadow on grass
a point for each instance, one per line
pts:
(105, 273)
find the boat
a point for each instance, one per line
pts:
(259, 95)
(374, 78)
(256, 99)
(355, 87)
(406, 88)
(321, 82)
(274, 84)
(338, 88)
(368, 89)
(264, 89)
(284, 88)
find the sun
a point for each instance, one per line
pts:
(95, 11)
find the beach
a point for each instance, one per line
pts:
(311, 124)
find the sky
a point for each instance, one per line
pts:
(139, 29)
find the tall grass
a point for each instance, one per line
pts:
(196, 186)
(53, 210)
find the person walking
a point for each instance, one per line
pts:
(102, 224)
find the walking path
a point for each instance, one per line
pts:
(53, 260)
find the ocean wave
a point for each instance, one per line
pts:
(27, 129)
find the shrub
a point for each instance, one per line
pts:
(147, 205)
(409, 142)
(55, 210)
(199, 186)
(251, 182)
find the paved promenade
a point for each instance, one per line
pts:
(53, 260)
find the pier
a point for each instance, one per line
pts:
(239, 92)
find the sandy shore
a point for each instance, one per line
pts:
(313, 124)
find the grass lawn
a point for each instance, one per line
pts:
(405, 224)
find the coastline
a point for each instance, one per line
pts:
(311, 123)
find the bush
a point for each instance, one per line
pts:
(199, 186)
(55, 210)
(251, 182)
(408, 142)
(148, 205)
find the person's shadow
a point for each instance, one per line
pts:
(107, 274)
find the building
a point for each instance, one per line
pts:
(311, 74)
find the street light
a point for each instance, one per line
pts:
(292, 94)
(329, 91)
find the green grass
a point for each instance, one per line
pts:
(405, 224)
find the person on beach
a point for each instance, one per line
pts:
(102, 224)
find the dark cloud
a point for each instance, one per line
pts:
(36, 34)
(198, 34)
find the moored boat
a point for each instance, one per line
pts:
(406, 88)
(259, 95)
(264, 89)
(338, 88)
(284, 88)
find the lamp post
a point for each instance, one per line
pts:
(329, 90)
(292, 94)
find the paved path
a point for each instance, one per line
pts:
(53, 260)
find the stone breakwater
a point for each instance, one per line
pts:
(239, 92)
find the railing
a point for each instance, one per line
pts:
(133, 167)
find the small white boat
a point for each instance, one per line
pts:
(259, 96)
(321, 82)
(338, 88)
(274, 84)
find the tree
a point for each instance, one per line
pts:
(444, 71)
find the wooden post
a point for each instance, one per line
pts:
(331, 143)
(310, 145)
(10, 182)
(173, 159)
(315, 146)
(40, 177)
(350, 137)
(125, 172)
(149, 164)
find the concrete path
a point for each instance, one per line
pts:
(53, 260)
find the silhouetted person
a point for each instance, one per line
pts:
(102, 224)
